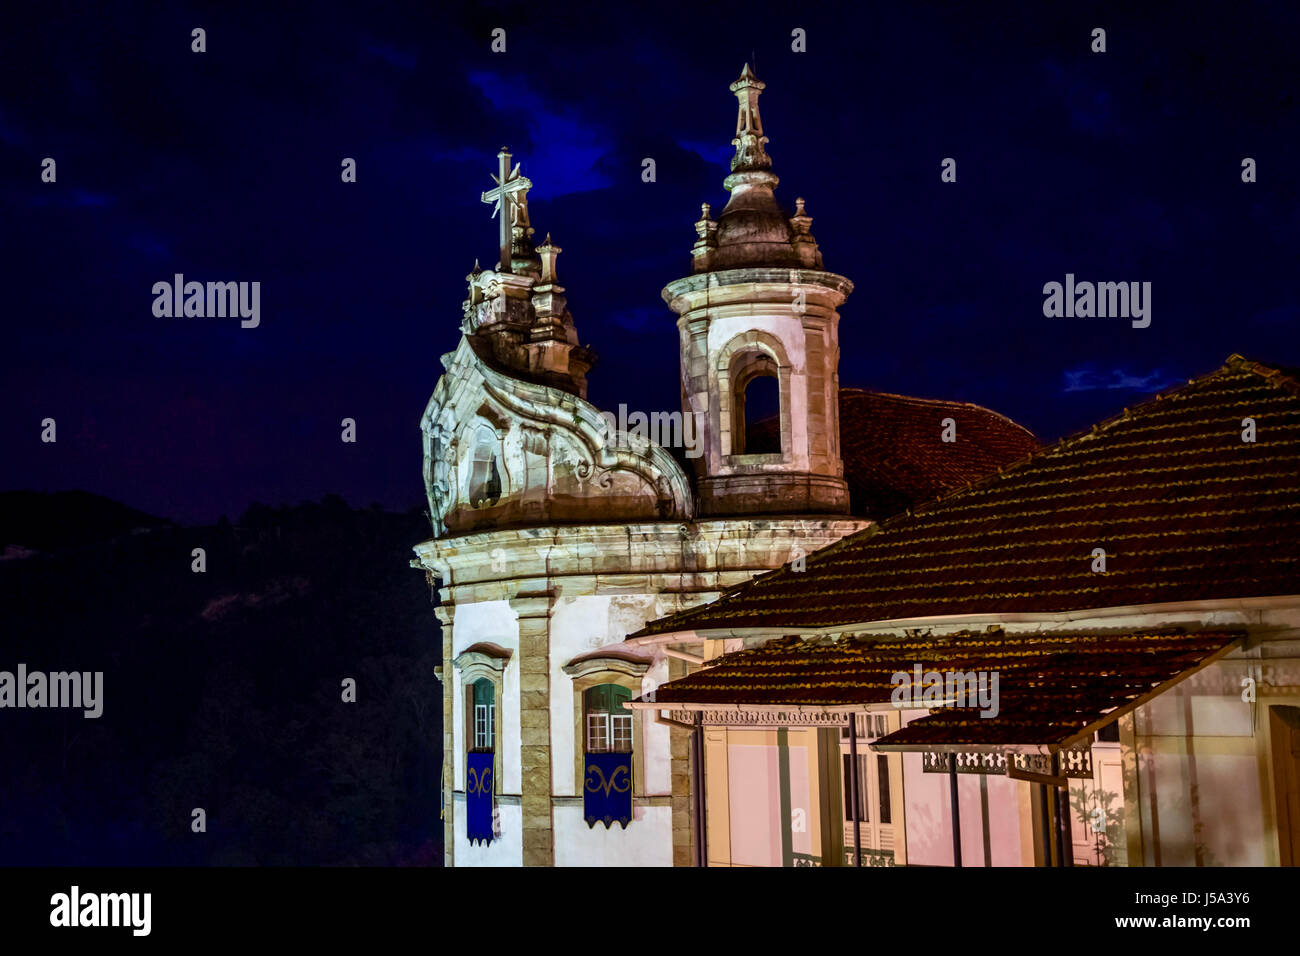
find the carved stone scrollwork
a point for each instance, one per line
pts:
(535, 440)
(664, 491)
(439, 477)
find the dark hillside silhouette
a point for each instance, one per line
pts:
(222, 689)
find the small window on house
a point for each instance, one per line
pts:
(882, 765)
(873, 795)
(483, 714)
(870, 726)
(484, 475)
(863, 796)
(608, 725)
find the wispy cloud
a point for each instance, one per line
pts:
(566, 149)
(719, 154)
(1090, 378)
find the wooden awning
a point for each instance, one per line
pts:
(1053, 689)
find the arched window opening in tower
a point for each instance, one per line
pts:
(761, 415)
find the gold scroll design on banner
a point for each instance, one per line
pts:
(610, 785)
(479, 784)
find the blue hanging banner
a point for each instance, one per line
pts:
(478, 797)
(607, 790)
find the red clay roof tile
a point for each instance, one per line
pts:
(1182, 506)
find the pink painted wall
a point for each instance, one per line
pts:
(990, 816)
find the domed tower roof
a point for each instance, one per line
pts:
(758, 306)
(753, 230)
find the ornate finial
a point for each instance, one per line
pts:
(749, 140)
(707, 230)
(802, 222)
(548, 252)
(747, 77)
(475, 290)
(804, 243)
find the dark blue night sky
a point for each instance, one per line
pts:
(226, 166)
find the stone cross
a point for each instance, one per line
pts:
(511, 191)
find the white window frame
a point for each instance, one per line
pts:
(484, 726)
(875, 835)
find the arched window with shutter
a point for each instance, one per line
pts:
(484, 470)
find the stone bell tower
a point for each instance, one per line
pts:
(758, 305)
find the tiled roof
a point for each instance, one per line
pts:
(1182, 506)
(894, 458)
(1051, 685)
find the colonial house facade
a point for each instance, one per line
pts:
(1091, 657)
(558, 532)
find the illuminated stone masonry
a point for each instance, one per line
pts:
(555, 536)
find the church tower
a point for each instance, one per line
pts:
(759, 312)
(517, 315)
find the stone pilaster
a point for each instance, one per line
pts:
(535, 728)
(680, 770)
(445, 614)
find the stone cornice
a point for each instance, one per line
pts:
(755, 283)
(533, 604)
(598, 663)
(715, 529)
(669, 557)
(473, 661)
